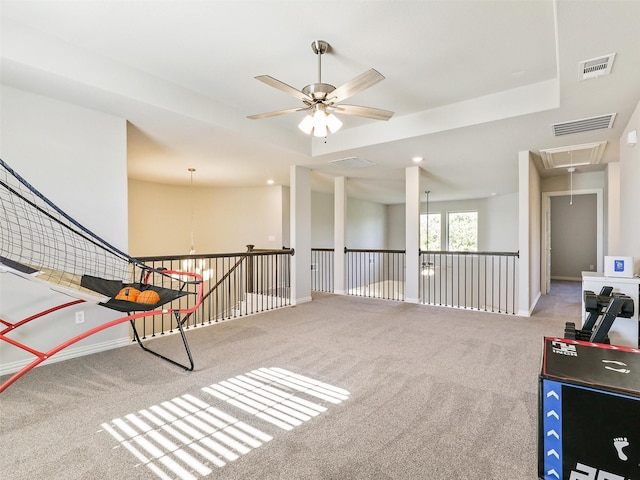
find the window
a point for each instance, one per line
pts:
(462, 231)
(430, 228)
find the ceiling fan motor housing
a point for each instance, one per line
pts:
(319, 46)
(318, 91)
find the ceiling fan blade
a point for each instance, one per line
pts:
(367, 112)
(275, 83)
(355, 85)
(276, 113)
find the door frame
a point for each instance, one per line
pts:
(545, 219)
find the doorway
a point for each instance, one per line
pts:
(575, 256)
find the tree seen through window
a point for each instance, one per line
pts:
(463, 231)
(430, 231)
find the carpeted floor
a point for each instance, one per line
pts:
(338, 388)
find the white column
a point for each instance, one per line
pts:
(412, 234)
(300, 234)
(529, 232)
(339, 234)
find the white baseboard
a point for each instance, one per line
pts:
(525, 313)
(12, 367)
(300, 301)
(568, 279)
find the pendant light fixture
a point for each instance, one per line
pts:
(426, 268)
(192, 250)
(190, 264)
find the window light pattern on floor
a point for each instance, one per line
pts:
(267, 394)
(186, 438)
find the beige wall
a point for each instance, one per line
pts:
(224, 220)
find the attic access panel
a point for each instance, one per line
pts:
(573, 155)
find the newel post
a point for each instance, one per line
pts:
(250, 269)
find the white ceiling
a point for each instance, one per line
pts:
(471, 83)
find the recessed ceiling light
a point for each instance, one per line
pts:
(417, 159)
(270, 181)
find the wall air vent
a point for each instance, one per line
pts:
(352, 162)
(596, 67)
(573, 155)
(583, 125)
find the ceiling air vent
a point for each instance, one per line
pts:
(583, 125)
(596, 67)
(352, 162)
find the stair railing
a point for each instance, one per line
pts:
(235, 285)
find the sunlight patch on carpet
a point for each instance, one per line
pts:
(186, 438)
(267, 393)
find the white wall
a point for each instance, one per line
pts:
(395, 226)
(225, 220)
(74, 156)
(499, 224)
(533, 237)
(77, 158)
(581, 181)
(629, 239)
(497, 221)
(612, 210)
(322, 216)
(366, 223)
(529, 231)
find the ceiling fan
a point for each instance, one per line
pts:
(323, 99)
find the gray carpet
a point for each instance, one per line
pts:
(433, 393)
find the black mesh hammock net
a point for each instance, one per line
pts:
(39, 242)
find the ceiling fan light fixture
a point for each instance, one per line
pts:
(320, 125)
(333, 123)
(306, 125)
(320, 122)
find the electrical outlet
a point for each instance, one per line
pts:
(591, 267)
(80, 317)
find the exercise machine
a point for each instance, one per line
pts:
(602, 309)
